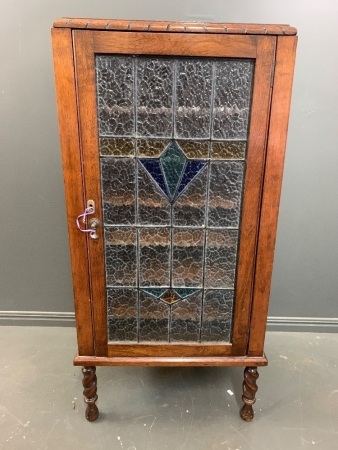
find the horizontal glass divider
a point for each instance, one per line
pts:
(185, 227)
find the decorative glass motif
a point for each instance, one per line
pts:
(172, 141)
(172, 171)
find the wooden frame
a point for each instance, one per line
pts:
(75, 42)
(262, 48)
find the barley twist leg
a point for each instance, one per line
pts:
(249, 391)
(89, 383)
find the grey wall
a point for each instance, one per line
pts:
(34, 262)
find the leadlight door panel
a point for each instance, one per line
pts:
(173, 142)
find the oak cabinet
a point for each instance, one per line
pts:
(173, 139)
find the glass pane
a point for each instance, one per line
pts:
(217, 316)
(153, 205)
(154, 256)
(193, 98)
(120, 250)
(221, 253)
(151, 148)
(118, 190)
(228, 150)
(233, 86)
(195, 149)
(187, 257)
(122, 314)
(186, 319)
(225, 193)
(115, 95)
(154, 97)
(154, 319)
(116, 147)
(189, 208)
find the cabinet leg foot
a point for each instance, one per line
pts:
(89, 392)
(249, 392)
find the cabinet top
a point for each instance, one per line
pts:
(173, 27)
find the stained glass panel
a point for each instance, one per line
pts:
(154, 319)
(118, 190)
(186, 319)
(220, 260)
(233, 85)
(172, 142)
(121, 252)
(115, 95)
(217, 316)
(193, 98)
(187, 257)
(153, 206)
(116, 147)
(154, 248)
(122, 314)
(225, 193)
(154, 97)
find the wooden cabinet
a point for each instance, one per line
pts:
(173, 139)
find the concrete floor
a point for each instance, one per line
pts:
(41, 403)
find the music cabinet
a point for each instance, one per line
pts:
(173, 138)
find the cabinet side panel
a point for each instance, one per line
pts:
(71, 160)
(253, 185)
(280, 107)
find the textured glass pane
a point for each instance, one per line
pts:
(154, 319)
(228, 150)
(185, 319)
(195, 149)
(151, 148)
(154, 256)
(122, 314)
(221, 251)
(116, 147)
(120, 250)
(153, 206)
(225, 193)
(118, 190)
(193, 98)
(233, 85)
(187, 257)
(189, 208)
(154, 97)
(115, 95)
(217, 316)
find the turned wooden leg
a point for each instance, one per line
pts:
(249, 392)
(89, 392)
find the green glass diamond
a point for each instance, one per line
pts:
(173, 162)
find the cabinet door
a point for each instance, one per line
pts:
(173, 135)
